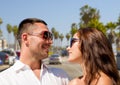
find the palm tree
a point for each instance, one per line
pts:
(1, 34)
(53, 32)
(95, 23)
(15, 29)
(9, 29)
(73, 29)
(87, 13)
(67, 37)
(0, 27)
(61, 36)
(56, 35)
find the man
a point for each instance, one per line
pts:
(35, 40)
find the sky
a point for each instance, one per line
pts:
(59, 14)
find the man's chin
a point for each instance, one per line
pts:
(44, 59)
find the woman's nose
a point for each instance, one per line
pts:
(68, 48)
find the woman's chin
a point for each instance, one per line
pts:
(70, 60)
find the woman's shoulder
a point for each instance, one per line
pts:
(104, 80)
(77, 81)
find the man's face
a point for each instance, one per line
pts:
(38, 44)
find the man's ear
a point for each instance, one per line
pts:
(25, 39)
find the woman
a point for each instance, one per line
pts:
(91, 49)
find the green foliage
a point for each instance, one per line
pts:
(96, 24)
(0, 32)
(73, 29)
(15, 29)
(67, 36)
(1, 21)
(9, 28)
(87, 14)
(56, 35)
(53, 30)
(61, 36)
(0, 27)
(90, 18)
(110, 25)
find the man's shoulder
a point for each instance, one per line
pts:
(5, 72)
(4, 76)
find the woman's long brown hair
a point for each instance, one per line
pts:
(97, 55)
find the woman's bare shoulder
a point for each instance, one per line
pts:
(76, 81)
(105, 80)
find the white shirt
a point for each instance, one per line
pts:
(21, 74)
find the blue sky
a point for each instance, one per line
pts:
(57, 13)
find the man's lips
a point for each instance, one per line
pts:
(46, 47)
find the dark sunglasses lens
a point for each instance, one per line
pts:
(47, 35)
(72, 41)
(51, 36)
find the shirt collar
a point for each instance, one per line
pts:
(18, 66)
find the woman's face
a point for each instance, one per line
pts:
(75, 54)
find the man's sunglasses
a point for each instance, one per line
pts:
(45, 35)
(72, 41)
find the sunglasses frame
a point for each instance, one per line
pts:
(45, 35)
(73, 40)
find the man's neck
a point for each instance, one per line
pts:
(36, 65)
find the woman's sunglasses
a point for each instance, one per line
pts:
(45, 35)
(72, 41)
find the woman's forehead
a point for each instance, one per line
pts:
(75, 35)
